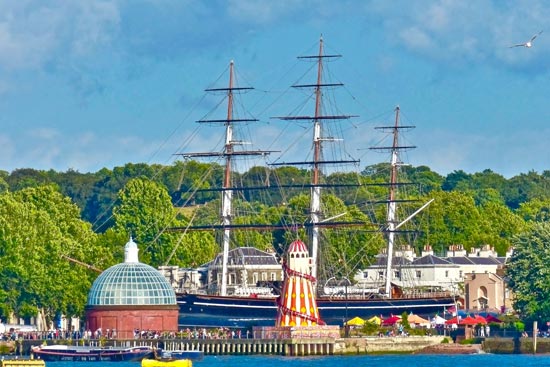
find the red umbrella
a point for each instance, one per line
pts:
(480, 319)
(391, 320)
(454, 320)
(469, 320)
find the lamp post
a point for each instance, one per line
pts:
(347, 282)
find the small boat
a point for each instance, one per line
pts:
(22, 363)
(90, 354)
(170, 362)
(194, 355)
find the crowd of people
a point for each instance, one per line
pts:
(195, 333)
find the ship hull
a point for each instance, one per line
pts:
(243, 312)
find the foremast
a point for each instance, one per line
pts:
(228, 153)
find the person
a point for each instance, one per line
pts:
(487, 330)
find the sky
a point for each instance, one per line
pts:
(86, 85)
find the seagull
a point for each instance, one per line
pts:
(529, 43)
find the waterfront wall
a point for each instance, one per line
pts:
(283, 347)
(516, 345)
(384, 345)
(303, 347)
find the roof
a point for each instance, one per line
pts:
(474, 260)
(431, 260)
(131, 283)
(247, 256)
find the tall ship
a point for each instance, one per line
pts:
(326, 225)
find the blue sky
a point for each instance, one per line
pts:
(92, 84)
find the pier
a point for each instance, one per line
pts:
(281, 347)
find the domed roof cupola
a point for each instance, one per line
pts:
(131, 283)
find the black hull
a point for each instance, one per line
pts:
(93, 355)
(241, 312)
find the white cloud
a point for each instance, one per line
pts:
(33, 33)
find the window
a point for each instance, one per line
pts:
(264, 276)
(380, 275)
(446, 273)
(397, 274)
(365, 274)
(254, 278)
(273, 277)
(418, 274)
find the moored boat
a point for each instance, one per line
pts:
(22, 363)
(90, 354)
(154, 362)
(192, 354)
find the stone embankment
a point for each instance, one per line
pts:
(386, 345)
(451, 349)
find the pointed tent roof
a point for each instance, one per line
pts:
(491, 318)
(415, 319)
(438, 320)
(375, 320)
(356, 321)
(392, 320)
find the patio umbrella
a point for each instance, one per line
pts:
(415, 319)
(490, 318)
(438, 320)
(480, 319)
(356, 321)
(454, 320)
(375, 320)
(392, 320)
(469, 320)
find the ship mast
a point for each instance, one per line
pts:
(391, 217)
(392, 223)
(318, 139)
(228, 153)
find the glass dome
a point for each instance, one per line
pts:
(131, 283)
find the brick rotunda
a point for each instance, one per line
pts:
(131, 296)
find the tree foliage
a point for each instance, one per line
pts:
(529, 274)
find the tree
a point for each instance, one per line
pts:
(39, 227)
(452, 218)
(535, 210)
(144, 210)
(529, 274)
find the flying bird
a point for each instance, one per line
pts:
(529, 43)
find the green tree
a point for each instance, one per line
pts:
(529, 274)
(536, 210)
(39, 228)
(144, 210)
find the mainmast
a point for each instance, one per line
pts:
(317, 119)
(391, 215)
(228, 153)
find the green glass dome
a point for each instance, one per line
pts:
(131, 283)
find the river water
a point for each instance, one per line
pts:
(473, 360)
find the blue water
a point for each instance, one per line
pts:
(475, 360)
